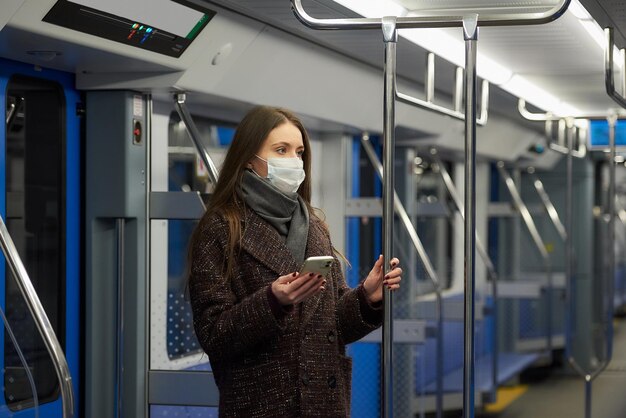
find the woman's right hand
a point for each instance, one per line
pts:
(294, 288)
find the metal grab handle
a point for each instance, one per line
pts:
(41, 320)
(534, 233)
(195, 136)
(428, 267)
(547, 203)
(10, 113)
(609, 81)
(430, 93)
(431, 18)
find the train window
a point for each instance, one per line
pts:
(35, 172)
(162, 26)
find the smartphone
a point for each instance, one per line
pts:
(319, 265)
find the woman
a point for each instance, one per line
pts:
(275, 338)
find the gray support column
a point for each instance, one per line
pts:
(333, 172)
(115, 193)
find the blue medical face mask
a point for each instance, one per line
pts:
(286, 174)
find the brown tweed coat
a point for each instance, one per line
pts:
(294, 366)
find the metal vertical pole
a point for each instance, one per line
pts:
(588, 382)
(390, 36)
(569, 280)
(470, 34)
(612, 119)
(119, 358)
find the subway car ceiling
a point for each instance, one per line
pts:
(255, 51)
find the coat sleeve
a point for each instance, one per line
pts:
(355, 317)
(226, 327)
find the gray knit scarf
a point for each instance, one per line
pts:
(287, 213)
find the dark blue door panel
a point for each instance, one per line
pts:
(47, 182)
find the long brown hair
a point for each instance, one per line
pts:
(250, 135)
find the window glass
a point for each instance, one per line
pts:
(35, 143)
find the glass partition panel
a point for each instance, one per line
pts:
(24, 379)
(35, 189)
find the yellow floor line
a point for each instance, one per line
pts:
(506, 396)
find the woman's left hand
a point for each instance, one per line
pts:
(373, 284)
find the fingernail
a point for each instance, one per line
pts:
(311, 274)
(295, 273)
(319, 276)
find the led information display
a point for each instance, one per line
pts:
(163, 26)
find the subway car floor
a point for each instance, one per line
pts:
(561, 393)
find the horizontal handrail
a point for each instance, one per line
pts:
(432, 18)
(195, 136)
(609, 81)
(41, 320)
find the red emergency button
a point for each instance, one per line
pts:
(136, 132)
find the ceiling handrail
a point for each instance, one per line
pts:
(564, 122)
(41, 320)
(434, 18)
(609, 75)
(429, 104)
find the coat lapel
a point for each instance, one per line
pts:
(264, 243)
(313, 248)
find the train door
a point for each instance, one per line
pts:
(39, 200)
